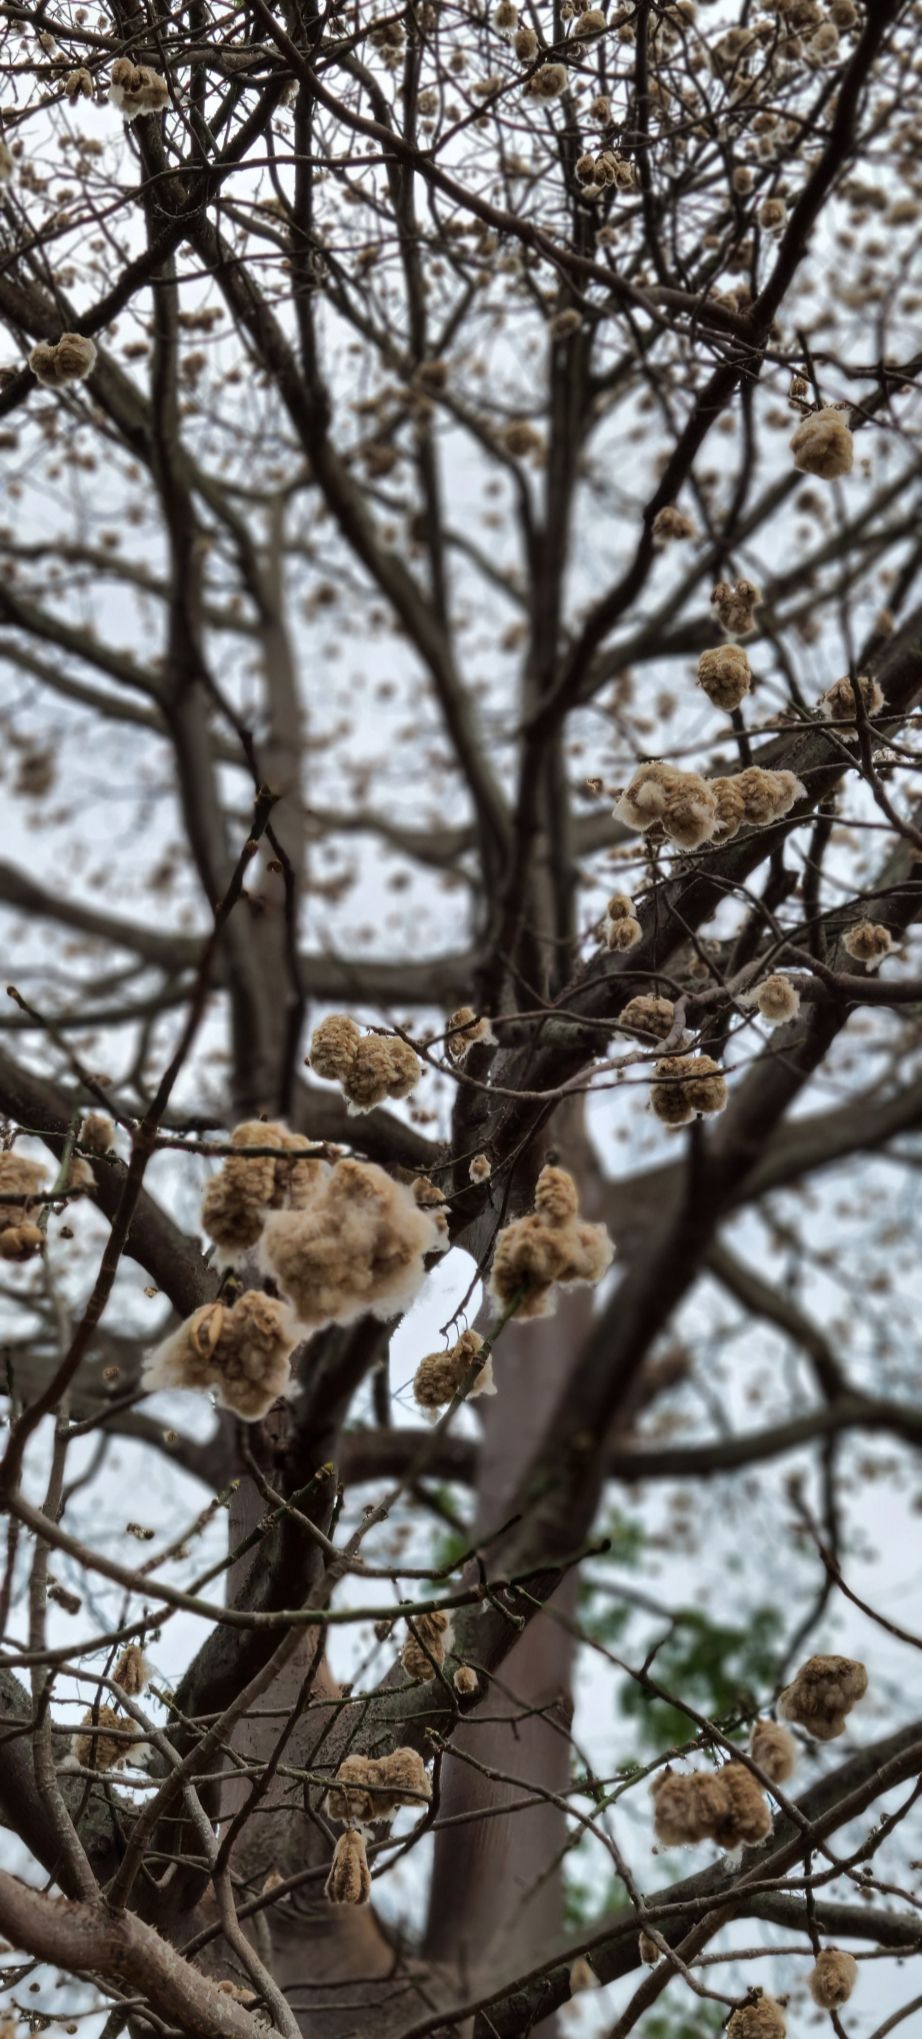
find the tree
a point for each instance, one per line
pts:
(402, 413)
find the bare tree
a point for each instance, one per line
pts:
(461, 687)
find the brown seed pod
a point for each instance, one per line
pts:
(832, 1979)
(761, 2018)
(774, 1749)
(551, 1246)
(349, 1880)
(823, 445)
(822, 1695)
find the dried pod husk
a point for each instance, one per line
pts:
(439, 1376)
(465, 1030)
(776, 999)
(241, 1355)
(349, 1880)
(104, 1740)
(426, 1645)
(649, 1014)
(868, 942)
(761, 2018)
(725, 1806)
(71, 359)
(466, 1681)
(132, 1671)
(725, 676)
(136, 89)
(687, 1087)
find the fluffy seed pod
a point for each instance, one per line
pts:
(690, 814)
(6, 164)
(838, 702)
(582, 1976)
(776, 999)
(359, 1245)
(71, 359)
(349, 1881)
(248, 1185)
(552, 1246)
(649, 1015)
(20, 1237)
(480, 1169)
(241, 1355)
(97, 1747)
(370, 1788)
(525, 45)
(832, 1979)
(774, 1749)
(333, 1046)
(426, 1646)
(761, 2018)
(671, 524)
(687, 1087)
(724, 1805)
(731, 809)
(823, 1694)
(643, 802)
(465, 1030)
(724, 675)
(465, 1681)
(767, 796)
(648, 1951)
(136, 88)
(382, 1066)
(97, 1133)
(590, 23)
(823, 445)
(78, 85)
(566, 322)
(621, 932)
(549, 81)
(772, 215)
(505, 17)
(440, 1375)
(132, 1671)
(868, 942)
(735, 607)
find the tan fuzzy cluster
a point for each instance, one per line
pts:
(433, 1201)
(670, 524)
(592, 22)
(465, 1030)
(549, 81)
(731, 809)
(868, 942)
(358, 1244)
(832, 1979)
(734, 605)
(78, 85)
(241, 1355)
(776, 999)
(132, 1671)
(383, 1066)
(687, 1087)
(823, 445)
(333, 1046)
(440, 1375)
(838, 702)
(773, 215)
(648, 1950)
(525, 45)
(774, 1749)
(249, 1185)
(104, 1741)
(823, 1694)
(620, 929)
(71, 359)
(766, 796)
(6, 164)
(649, 1015)
(370, 1788)
(552, 1246)
(426, 1646)
(368, 1069)
(349, 1881)
(465, 1681)
(681, 802)
(725, 1806)
(20, 1237)
(480, 1169)
(136, 88)
(97, 1133)
(520, 438)
(725, 676)
(761, 2018)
